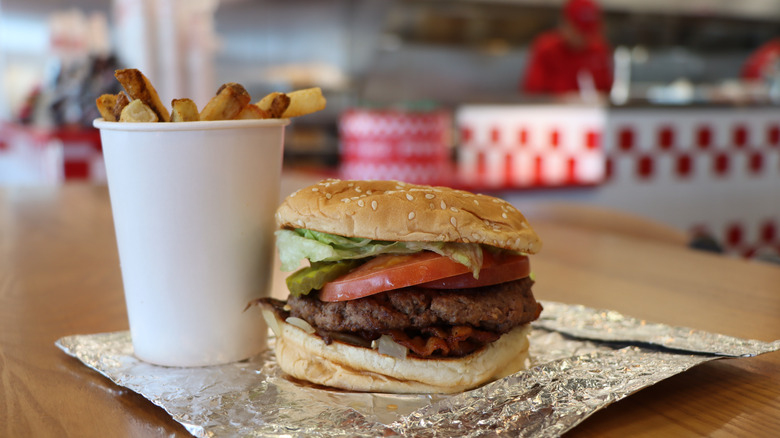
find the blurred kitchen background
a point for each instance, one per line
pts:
(427, 91)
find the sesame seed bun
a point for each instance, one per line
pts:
(339, 365)
(397, 211)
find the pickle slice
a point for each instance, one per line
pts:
(305, 280)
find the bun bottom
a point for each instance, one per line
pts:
(307, 357)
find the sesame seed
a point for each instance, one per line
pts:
(503, 215)
(431, 206)
(409, 197)
(524, 225)
(315, 189)
(476, 202)
(345, 200)
(443, 205)
(328, 195)
(299, 222)
(411, 215)
(453, 222)
(357, 189)
(368, 192)
(496, 200)
(429, 196)
(361, 203)
(373, 205)
(487, 222)
(455, 210)
(351, 185)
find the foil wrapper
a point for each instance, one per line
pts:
(582, 359)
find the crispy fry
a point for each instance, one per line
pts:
(265, 102)
(279, 105)
(138, 86)
(305, 101)
(252, 111)
(105, 104)
(231, 98)
(121, 103)
(275, 104)
(138, 111)
(184, 110)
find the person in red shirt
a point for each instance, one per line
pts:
(764, 63)
(573, 58)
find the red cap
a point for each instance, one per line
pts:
(584, 15)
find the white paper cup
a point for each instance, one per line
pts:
(193, 206)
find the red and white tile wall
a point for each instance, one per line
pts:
(712, 170)
(512, 147)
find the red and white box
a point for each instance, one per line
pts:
(389, 144)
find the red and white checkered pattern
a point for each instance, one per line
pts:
(714, 169)
(393, 144)
(82, 155)
(747, 239)
(521, 147)
(54, 155)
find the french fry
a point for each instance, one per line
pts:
(184, 110)
(265, 102)
(253, 112)
(121, 103)
(231, 98)
(275, 104)
(137, 111)
(139, 102)
(305, 101)
(105, 104)
(138, 86)
(279, 105)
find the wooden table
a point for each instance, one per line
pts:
(59, 275)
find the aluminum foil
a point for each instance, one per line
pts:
(582, 360)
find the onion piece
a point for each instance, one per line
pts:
(270, 319)
(387, 346)
(300, 323)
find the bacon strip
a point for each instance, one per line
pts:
(454, 341)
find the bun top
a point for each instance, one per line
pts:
(398, 211)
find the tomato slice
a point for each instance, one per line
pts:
(495, 269)
(426, 269)
(388, 272)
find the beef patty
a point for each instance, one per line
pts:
(497, 308)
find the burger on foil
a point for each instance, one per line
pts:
(407, 289)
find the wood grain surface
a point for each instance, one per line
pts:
(59, 275)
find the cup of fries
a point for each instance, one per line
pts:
(193, 195)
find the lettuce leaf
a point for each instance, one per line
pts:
(296, 245)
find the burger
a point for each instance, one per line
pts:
(402, 288)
